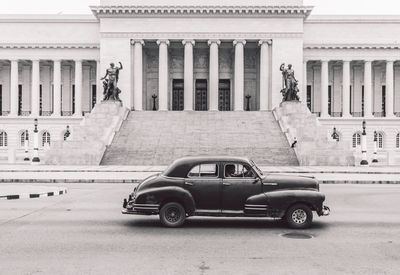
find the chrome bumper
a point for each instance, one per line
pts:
(325, 211)
(139, 209)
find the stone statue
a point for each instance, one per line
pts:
(110, 82)
(289, 90)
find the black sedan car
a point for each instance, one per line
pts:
(225, 186)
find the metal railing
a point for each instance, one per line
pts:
(379, 114)
(357, 114)
(24, 113)
(46, 113)
(336, 114)
(66, 113)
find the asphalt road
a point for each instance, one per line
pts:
(84, 232)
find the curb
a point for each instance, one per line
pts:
(34, 195)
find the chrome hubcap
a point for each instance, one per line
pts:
(172, 214)
(299, 216)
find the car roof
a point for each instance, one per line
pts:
(181, 166)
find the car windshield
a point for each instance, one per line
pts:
(255, 167)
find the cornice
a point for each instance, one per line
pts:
(199, 36)
(351, 46)
(353, 19)
(105, 11)
(49, 46)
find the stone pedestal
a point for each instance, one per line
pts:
(88, 141)
(314, 147)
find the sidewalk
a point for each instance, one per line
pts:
(134, 174)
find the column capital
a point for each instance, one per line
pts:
(163, 41)
(239, 41)
(35, 60)
(137, 41)
(78, 61)
(324, 59)
(265, 41)
(391, 60)
(368, 60)
(188, 41)
(13, 59)
(214, 41)
(56, 60)
(346, 60)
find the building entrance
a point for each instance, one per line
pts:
(177, 95)
(201, 95)
(224, 95)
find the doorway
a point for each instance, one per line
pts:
(201, 95)
(224, 95)
(177, 95)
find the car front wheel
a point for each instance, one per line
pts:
(172, 214)
(299, 216)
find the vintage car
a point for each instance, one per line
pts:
(225, 186)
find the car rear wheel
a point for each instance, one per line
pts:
(299, 216)
(172, 214)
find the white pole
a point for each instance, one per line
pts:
(375, 158)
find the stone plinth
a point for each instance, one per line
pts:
(313, 147)
(88, 141)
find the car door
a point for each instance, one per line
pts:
(204, 183)
(238, 187)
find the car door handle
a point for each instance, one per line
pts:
(226, 183)
(189, 183)
(270, 183)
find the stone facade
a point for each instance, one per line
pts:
(201, 56)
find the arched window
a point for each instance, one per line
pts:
(356, 140)
(46, 138)
(3, 139)
(23, 137)
(380, 140)
(398, 140)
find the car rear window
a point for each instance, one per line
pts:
(205, 170)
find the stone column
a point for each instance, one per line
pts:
(346, 89)
(14, 88)
(57, 88)
(78, 88)
(188, 74)
(368, 88)
(264, 74)
(138, 74)
(303, 94)
(99, 83)
(163, 75)
(35, 103)
(214, 74)
(239, 74)
(389, 89)
(324, 87)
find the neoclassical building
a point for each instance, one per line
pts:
(201, 56)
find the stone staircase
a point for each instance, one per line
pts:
(314, 147)
(88, 141)
(158, 138)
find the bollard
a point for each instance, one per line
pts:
(375, 158)
(26, 146)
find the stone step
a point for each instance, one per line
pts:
(157, 138)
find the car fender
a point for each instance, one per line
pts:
(280, 201)
(162, 195)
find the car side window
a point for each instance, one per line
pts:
(235, 170)
(205, 170)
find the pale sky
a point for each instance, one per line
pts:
(321, 6)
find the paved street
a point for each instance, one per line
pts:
(83, 232)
